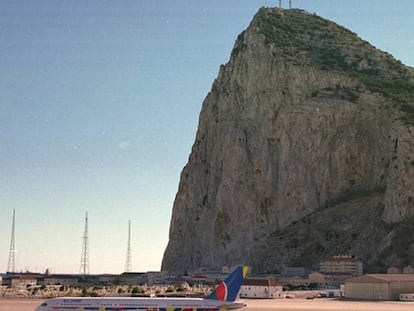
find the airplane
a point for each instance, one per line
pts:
(223, 297)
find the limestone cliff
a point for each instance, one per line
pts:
(304, 149)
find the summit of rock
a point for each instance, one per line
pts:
(304, 150)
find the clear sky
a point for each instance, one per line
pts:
(99, 104)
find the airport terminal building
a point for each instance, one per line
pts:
(379, 286)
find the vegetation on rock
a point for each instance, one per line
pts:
(304, 38)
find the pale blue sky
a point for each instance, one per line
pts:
(99, 104)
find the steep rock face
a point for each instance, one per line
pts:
(304, 149)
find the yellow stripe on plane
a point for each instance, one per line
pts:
(245, 269)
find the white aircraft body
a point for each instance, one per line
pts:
(223, 297)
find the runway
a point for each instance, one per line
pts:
(325, 305)
(19, 304)
(265, 304)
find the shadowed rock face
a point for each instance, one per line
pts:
(304, 149)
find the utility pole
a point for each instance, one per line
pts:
(11, 266)
(128, 267)
(84, 263)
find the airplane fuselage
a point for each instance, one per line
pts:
(135, 304)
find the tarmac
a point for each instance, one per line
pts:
(322, 304)
(325, 304)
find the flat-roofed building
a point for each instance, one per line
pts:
(408, 270)
(320, 279)
(394, 270)
(342, 264)
(294, 271)
(23, 280)
(407, 297)
(379, 286)
(293, 280)
(108, 279)
(133, 278)
(61, 279)
(260, 288)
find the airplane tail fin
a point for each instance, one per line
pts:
(228, 289)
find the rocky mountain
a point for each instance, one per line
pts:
(304, 149)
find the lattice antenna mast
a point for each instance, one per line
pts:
(11, 266)
(84, 264)
(128, 267)
(280, 4)
(290, 4)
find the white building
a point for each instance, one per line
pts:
(260, 288)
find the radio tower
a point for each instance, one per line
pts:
(84, 263)
(11, 264)
(128, 256)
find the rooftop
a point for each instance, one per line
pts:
(260, 282)
(382, 278)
